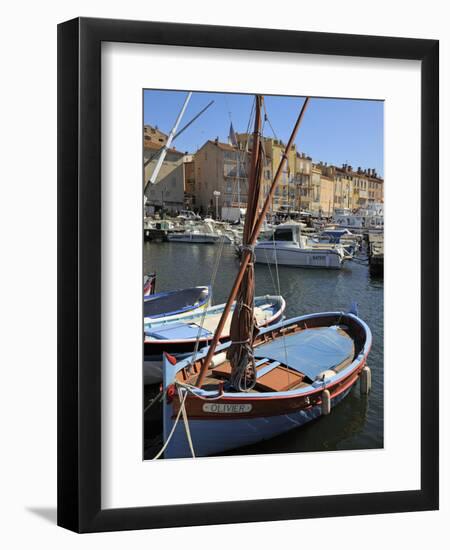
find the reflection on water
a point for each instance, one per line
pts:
(356, 422)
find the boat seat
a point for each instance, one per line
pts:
(224, 369)
(264, 370)
(270, 377)
(279, 378)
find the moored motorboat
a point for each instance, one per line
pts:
(351, 242)
(288, 246)
(200, 233)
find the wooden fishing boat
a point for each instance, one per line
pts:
(180, 335)
(304, 368)
(262, 383)
(175, 304)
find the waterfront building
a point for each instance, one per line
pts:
(153, 136)
(326, 192)
(167, 193)
(303, 181)
(286, 194)
(317, 198)
(360, 188)
(216, 176)
(357, 188)
(344, 195)
(296, 175)
(189, 182)
(220, 167)
(376, 187)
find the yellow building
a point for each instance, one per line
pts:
(345, 194)
(321, 191)
(296, 174)
(376, 187)
(326, 195)
(357, 188)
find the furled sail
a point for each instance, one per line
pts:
(243, 326)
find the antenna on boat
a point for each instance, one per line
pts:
(247, 253)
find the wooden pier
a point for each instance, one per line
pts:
(376, 253)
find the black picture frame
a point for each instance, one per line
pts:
(79, 274)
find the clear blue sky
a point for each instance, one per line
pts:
(336, 131)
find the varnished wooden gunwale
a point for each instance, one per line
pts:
(264, 406)
(282, 403)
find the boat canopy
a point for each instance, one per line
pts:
(310, 351)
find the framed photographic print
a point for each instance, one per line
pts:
(233, 345)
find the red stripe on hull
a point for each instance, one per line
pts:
(267, 406)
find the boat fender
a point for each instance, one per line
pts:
(170, 393)
(219, 359)
(326, 402)
(365, 380)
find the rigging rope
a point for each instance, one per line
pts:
(275, 256)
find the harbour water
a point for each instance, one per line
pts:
(357, 422)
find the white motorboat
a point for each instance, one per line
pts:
(350, 241)
(200, 233)
(370, 217)
(287, 246)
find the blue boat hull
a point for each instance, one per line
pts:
(214, 437)
(223, 421)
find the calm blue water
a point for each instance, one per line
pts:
(357, 422)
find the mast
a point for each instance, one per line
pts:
(242, 330)
(247, 251)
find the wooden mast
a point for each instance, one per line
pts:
(247, 252)
(242, 329)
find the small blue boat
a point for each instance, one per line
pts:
(180, 336)
(174, 304)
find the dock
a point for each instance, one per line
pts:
(158, 235)
(376, 253)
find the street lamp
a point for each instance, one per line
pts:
(217, 195)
